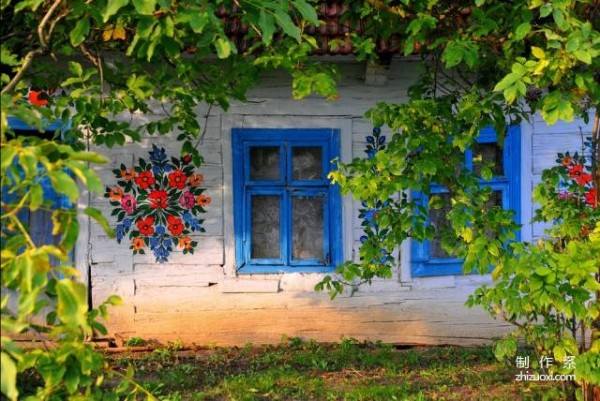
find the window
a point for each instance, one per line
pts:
(287, 216)
(39, 222)
(427, 257)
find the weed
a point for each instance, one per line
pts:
(135, 342)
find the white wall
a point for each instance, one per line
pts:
(200, 299)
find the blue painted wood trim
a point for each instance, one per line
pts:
(243, 187)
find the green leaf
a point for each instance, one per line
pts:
(266, 22)
(71, 306)
(522, 30)
(64, 184)
(9, 377)
(91, 157)
(286, 23)
(223, 47)
(79, 33)
(584, 56)
(308, 11)
(538, 52)
(112, 8)
(36, 193)
(144, 7)
(6, 157)
(100, 219)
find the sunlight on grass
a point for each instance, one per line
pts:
(349, 371)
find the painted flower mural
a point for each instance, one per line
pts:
(576, 184)
(158, 204)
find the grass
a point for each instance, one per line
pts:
(350, 370)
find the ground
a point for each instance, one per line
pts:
(350, 370)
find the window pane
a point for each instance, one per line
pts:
(307, 163)
(308, 228)
(490, 153)
(265, 227)
(264, 163)
(437, 218)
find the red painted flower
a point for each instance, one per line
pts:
(591, 197)
(177, 179)
(146, 225)
(158, 199)
(145, 179)
(576, 172)
(175, 225)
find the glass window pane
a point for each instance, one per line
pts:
(437, 218)
(489, 153)
(308, 228)
(264, 163)
(265, 223)
(307, 163)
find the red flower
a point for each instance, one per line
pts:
(38, 98)
(576, 173)
(177, 179)
(158, 199)
(145, 179)
(175, 225)
(591, 197)
(146, 225)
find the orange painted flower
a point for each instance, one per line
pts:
(196, 180)
(115, 194)
(145, 179)
(177, 179)
(128, 175)
(566, 160)
(203, 200)
(185, 243)
(137, 244)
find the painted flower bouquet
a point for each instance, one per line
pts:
(158, 204)
(576, 183)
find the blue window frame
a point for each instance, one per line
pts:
(287, 215)
(427, 258)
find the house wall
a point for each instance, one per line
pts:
(200, 299)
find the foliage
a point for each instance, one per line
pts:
(86, 67)
(37, 278)
(163, 198)
(487, 63)
(548, 289)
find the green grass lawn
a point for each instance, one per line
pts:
(349, 370)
